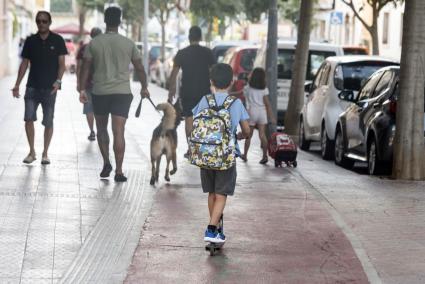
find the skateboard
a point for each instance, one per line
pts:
(213, 248)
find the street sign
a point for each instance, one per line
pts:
(337, 18)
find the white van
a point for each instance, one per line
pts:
(286, 55)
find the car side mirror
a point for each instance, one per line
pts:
(307, 87)
(346, 95)
(243, 76)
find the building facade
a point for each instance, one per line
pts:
(337, 24)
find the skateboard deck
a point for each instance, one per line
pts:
(213, 248)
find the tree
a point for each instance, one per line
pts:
(296, 93)
(161, 9)
(83, 7)
(254, 8)
(133, 15)
(220, 9)
(409, 137)
(372, 28)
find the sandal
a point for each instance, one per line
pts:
(106, 171)
(264, 161)
(45, 161)
(92, 136)
(120, 178)
(29, 159)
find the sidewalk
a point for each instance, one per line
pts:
(317, 223)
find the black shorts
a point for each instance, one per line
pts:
(33, 97)
(220, 182)
(116, 104)
(188, 105)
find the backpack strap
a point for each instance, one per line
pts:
(228, 101)
(211, 100)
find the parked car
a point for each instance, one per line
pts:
(365, 131)
(355, 50)
(241, 59)
(322, 108)
(286, 53)
(220, 48)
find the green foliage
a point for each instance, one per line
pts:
(91, 4)
(254, 8)
(61, 6)
(290, 10)
(132, 10)
(208, 9)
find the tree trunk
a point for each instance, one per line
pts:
(409, 138)
(271, 58)
(82, 19)
(163, 41)
(374, 31)
(296, 94)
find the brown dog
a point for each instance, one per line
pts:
(164, 141)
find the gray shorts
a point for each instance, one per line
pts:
(220, 182)
(88, 106)
(34, 97)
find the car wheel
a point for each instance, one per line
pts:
(327, 145)
(374, 165)
(340, 158)
(304, 143)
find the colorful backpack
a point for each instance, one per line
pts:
(212, 143)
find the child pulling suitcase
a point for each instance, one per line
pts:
(282, 148)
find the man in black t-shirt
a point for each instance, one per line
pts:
(195, 62)
(45, 53)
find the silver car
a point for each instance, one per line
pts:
(321, 111)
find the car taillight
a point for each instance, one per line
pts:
(393, 107)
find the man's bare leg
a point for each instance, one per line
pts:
(48, 133)
(103, 142)
(90, 120)
(188, 122)
(118, 128)
(29, 130)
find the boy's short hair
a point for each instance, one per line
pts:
(113, 16)
(195, 33)
(221, 75)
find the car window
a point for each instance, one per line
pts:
(286, 58)
(315, 59)
(351, 76)
(325, 75)
(383, 84)
(247, 59)
(318, 78)
(228, 56)
(369, 86)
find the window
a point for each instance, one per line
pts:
(247, 59)
(386, 27)
(61, 6)
(368, 88)
(383, 84)
(317, 80)
(286, 59)
(325, 75)
(351, 76)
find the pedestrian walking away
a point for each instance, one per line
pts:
(45, 53)
(195, 62)
(109, 55)
(218, 166)
(87, 106)
(259, 110)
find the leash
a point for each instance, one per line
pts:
(139, 107)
